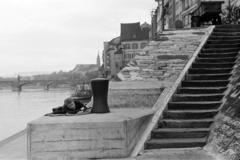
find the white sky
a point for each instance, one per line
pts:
(54, 35)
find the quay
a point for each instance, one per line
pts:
(172, 102)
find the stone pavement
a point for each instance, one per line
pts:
(175, 154)
(17, 149)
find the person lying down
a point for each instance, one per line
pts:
(70, 108)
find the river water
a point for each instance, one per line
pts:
(19, 108)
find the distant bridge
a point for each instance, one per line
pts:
(17, 85)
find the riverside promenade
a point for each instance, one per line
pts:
(144, 87)
(15, 148)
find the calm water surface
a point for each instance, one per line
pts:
(18, 108)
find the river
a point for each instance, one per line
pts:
(19, 108)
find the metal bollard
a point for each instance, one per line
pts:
(100, 93)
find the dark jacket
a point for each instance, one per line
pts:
(64, 110)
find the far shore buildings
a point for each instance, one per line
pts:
(82, 69)
(120, 50)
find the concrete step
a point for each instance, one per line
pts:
(228, 26)
(201, 90)
(161, 133)
(215, 60)
(175, 143)
(220, 50)
(212, 65)
(223, 42)
(190, 114)
(206, 83)
(224, 38)
(185, 123)
(194, 105)
(224, 76)
(226, 33)
(233, 45)
(209, 70)
(218, 55)
(196, 97)
(226, 30)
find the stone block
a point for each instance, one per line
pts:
(92, 136)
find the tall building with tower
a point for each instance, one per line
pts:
(98, 61)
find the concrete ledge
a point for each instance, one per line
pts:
(110, 135)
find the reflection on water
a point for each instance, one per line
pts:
(18, 108)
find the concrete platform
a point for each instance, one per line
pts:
(109, 135)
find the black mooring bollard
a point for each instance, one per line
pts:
(100, 93)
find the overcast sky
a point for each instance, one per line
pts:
(54, 35)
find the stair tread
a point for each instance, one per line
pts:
(215, 36)
(196, 95)
(219, 53)
(178, 140)
(202, 88)
(193, 111)
(217, 58)
(211, 68)
(203, 102)
(234, 40)
(181, 129)
(189, 120)
(214, 63)
(223, 74)
(207, 81)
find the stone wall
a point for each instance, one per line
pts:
(164, 58)
(224, 139)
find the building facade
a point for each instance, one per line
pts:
(113, 57)
(134, 37)
(178, 10)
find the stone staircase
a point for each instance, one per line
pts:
(186, 122)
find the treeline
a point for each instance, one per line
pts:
(61, 75)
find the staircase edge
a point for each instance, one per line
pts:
(165, 97)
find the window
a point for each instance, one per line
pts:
(177, 17)
(177, 5)
(193, 2)
(170, 10)
(143, 45)
(186, 5)
(189, 19)
(128, 56)
(134, 46)
(126, 46)
(184, 21)
(135, 54)
(170, 22)
(134, 35)
(190, 3)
